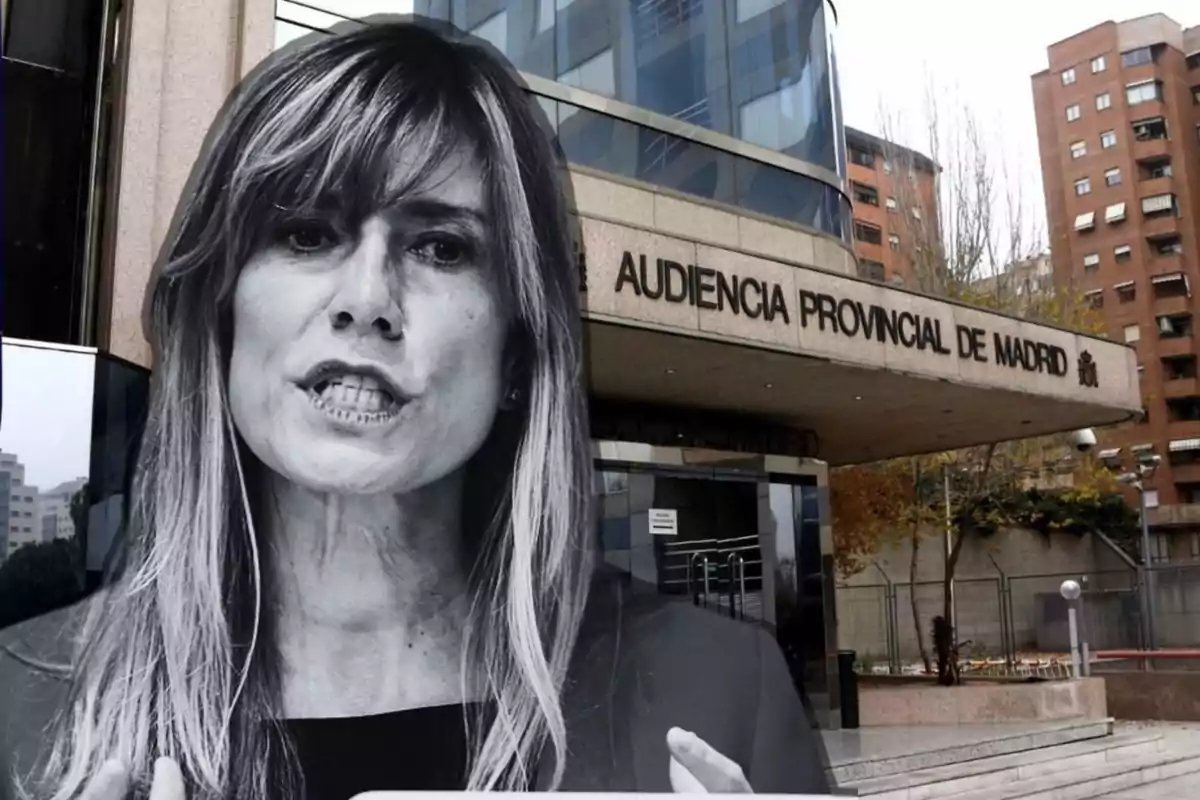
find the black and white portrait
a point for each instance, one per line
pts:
(358, 544)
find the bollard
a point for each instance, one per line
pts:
(848, 687)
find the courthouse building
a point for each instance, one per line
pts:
(735, 353)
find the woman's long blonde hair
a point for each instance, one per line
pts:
(177, 658)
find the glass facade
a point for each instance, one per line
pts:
(57, 78)
(759, 72)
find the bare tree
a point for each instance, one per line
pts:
(964, 233)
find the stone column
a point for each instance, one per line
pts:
(183, 58)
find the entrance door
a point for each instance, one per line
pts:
(746, 546)
(713, 555)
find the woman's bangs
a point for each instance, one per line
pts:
(352, 162)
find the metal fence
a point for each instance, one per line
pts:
(1016, 622)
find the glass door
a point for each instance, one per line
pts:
(710, 555)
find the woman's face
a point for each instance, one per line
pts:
(370, 359)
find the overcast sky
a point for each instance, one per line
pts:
(47, 419)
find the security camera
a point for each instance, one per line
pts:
(1083, 440)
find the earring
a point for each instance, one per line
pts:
(512, 397)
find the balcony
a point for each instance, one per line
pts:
(1153, 186)
(1176, 513)
(1163, 225)
(1181, 387)
(1144, 149)
(1186, 472)
(1163, 263)
(1175, 346)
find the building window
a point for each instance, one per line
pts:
(1133, 333)
(1143, 92)
(1098, 64)
(1145, 130)
(871, 270)
(1122, 253)
(1112, 176)
(1085, 221)
(747, 9)
(1114, 213)
(865, 194)
(547, 10)
(916, 212)
(887, 166)
(1108, 139)
(594, 75)
(1152, 170)
(892, 205)
(1168, 246)
(494, 31)
(1160, 545)
(1103, 101)
(1094, 298)
(865, 232)
(894, 241)
(1158, 205)
(1196, 95)
(1073, 112)
(1174, 326)
(1083, 186)
(1126, 292)
(778, 119)
(1068, 76)
(1133, 58)
(864, 158)
(1078, 149)
(1091, 261)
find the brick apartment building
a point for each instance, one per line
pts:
(1118, 118)
(889, 185)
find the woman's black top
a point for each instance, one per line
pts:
(416, 749)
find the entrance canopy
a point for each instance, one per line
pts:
(872, 371)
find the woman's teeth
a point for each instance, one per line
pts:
(353, 398)
(352, 395)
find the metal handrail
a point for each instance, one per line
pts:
(703, 559)
(741, 581)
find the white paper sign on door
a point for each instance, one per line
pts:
(664, 522)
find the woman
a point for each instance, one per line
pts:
(361, 511)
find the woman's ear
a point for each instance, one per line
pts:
(514, 373)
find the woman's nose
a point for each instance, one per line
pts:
(365, 303)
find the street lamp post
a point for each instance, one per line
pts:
(1143, 471)
(1071, 592)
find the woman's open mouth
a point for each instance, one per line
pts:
(353, 394)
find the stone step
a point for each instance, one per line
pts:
(851, 771)
(952, 779)
(1119, 774)
(1179, 788)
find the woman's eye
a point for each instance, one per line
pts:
(309, 237)
(443, 251)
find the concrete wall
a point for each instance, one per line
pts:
(982, 703)
(184, 58)
(1154, 695)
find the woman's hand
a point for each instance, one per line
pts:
(112, 782)
(696, 768)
